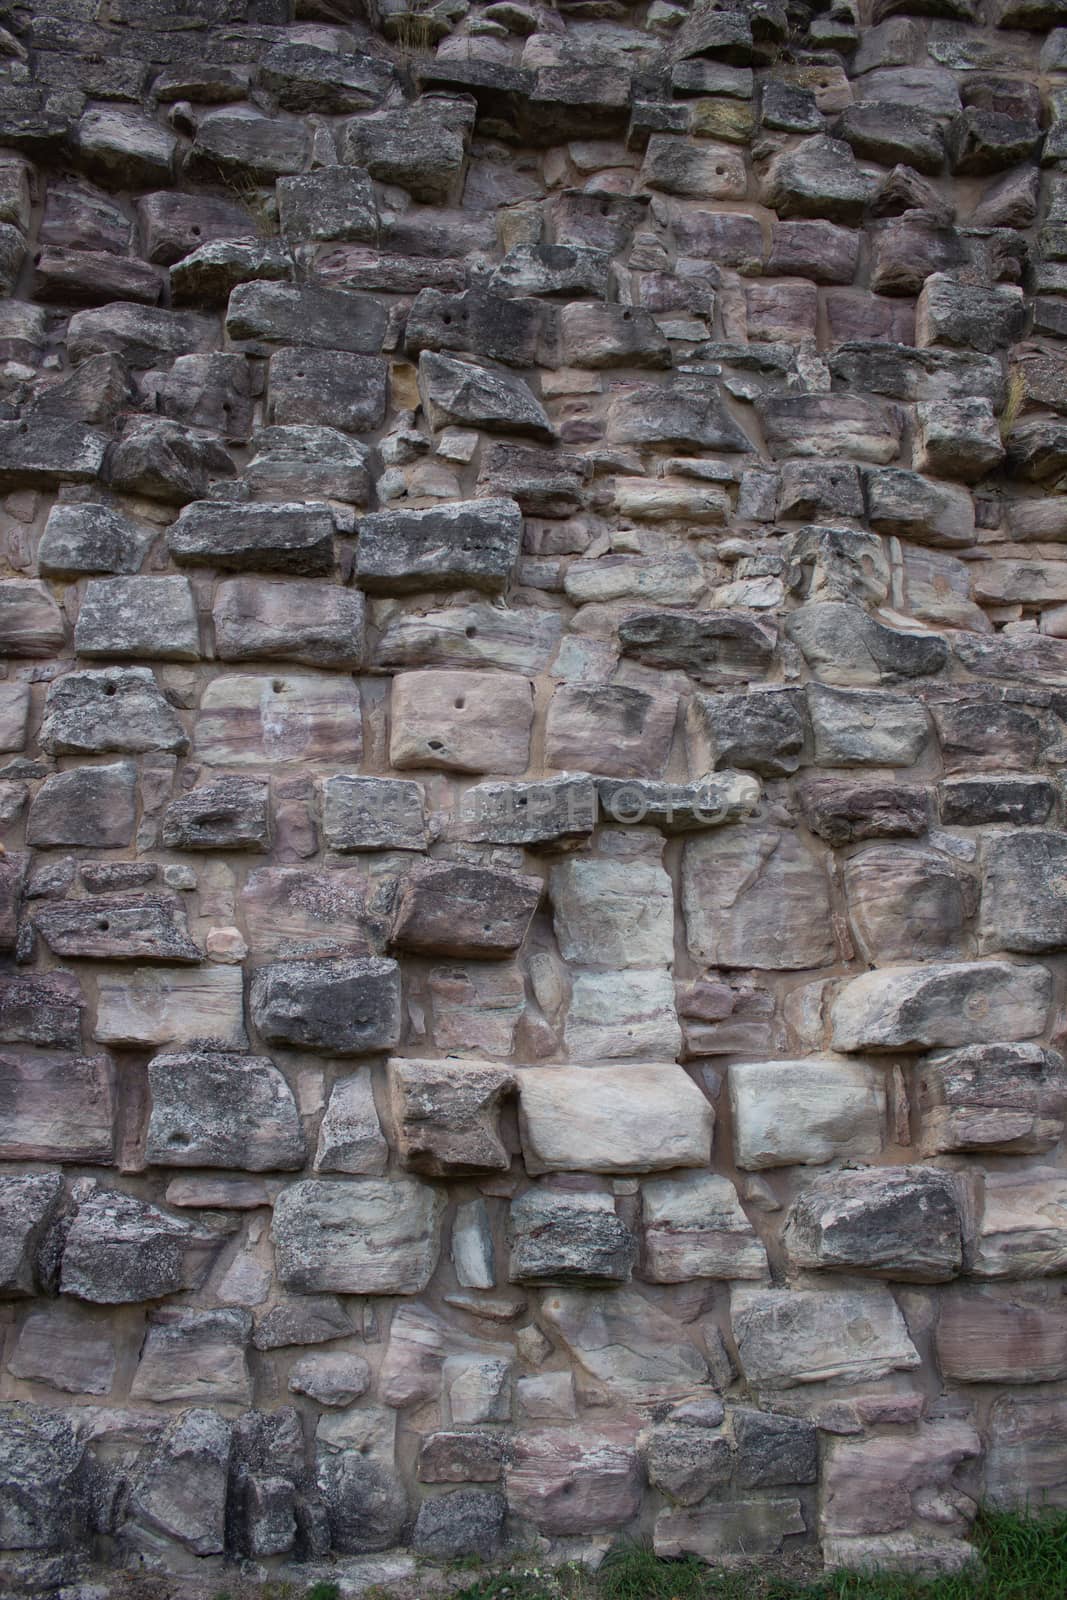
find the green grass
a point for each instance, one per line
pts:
(1022, 1558)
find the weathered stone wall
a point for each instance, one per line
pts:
(534, 702)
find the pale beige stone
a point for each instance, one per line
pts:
(635, 1118)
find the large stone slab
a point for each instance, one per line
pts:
(222, 814)
(43, 1498)
(190, 1354)
(787, 1337)
(449, 909)
(942, 1003)
(459, 393)
(304, 912)
(756, 896)
(212, 1109)
(629, 1351)
(129, 927)
(615, 913)
(66, 1347)
(573, 1481)
(1004, 1098)
(172, 1005)
(636, 1118)
(694, 1227)
(1026, 1459)
(896, 1222)
(729, 1533)
(447, 1115)
(290, 719)
(138, 618)
(95, 807)
(1000, 1335)
(1024, 892)
(341, 1006)
(905, 904)
(626, 1014)
(110, 709)
(806, 1111)
(119, 1249)
(461, 721)
(468, 544)
(611, 729)
(364, 1236)
(292, 538)
(57, 1108)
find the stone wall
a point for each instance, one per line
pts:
(535, 695)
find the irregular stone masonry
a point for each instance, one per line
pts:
(533, 898)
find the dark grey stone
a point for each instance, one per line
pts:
(362, 813)
(315, 624)
(467, 544)
(230, 813)
(774, 1450)
(328, 388)
(326, 319)
(129, 927)
(478, 397)
(365, 1502)
(43, 1483)
(568, 1238)
(138, 618)
(467, 1522)
(846, 810)
(87, 538)
(1024, 893)
(344, 1007)
(895, 1222)
(420, 148)
(288, 537)
(763, 732)
(211, 1109)
(712, 646)
(29, 1204)
(165, 461)
(119, 1250)
(112, 709)
(92, 807)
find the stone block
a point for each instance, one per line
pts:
(29, 1203)
(686, 1463)
(294, 538)
(461, 721)
(469, 544)
(342, 1006)
(268, 314)
(446, 1115)
(756, 897)
(994, 1335)
(902, 1223)
(180, 1491)
(728, 1532)
(293, 912)
(1024, 904)
(90, 538)
(129, 927)
(941, 1004)
(133, 618)
(31, 623)
(845, 645)
(820, 178)
(763, 731)
(613, 913)
(195, 1355)
(694, 1227)
(830, 425)
(1001, 1098)
(1022, 1225)
(572, 1481)
(462, 394)
(774, 1450)
(58, 1108)
(715, 647)
(555, 810)
(41, 1009)
(43, 1497)
(568, 1238)
(805, 1112)
(66, 1348)
(788, 1337)
(221, 814)
(450, 909)
(421, 148)
(172, 1005)
(365, 1236)
(92, 807)
(621, 1015)
(311, 624)
(119, 1250)
(611, 729)
(905, 904)
(1025, 1459)
(287, 720)
(639, 1118)
(212, 1109)
(350, 1134)
(855, 728)
(845, 811)
(327, 388)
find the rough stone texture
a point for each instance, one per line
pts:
(533, 615)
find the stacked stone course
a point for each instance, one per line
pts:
(533, 898)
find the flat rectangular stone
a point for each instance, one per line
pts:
(638, 1118)
(806, 1111)
(138, 618)
(131, 927)
(326, 319)
(357, 1236)
(468, 544)
(941, 1003)
(851, 1332)
(172, 1005)
(289, 537)
(57, 1108)
(286, 720)
(305, 912)
(311, 624)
